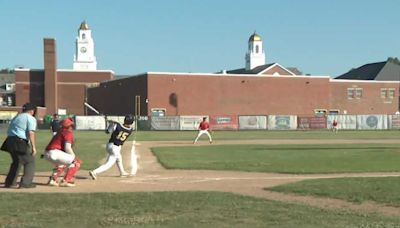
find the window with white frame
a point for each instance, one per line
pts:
(350, 93)
(392, 93)
(359, 93)
(383, 93)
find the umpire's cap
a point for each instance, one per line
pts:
(28, 106)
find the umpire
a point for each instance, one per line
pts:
(20, 132)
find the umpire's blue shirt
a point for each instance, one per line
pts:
(21, 125)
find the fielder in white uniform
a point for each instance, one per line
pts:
(120, 133)
(204, 128)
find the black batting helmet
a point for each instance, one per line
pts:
(128, 119)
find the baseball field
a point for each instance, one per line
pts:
(243, 179)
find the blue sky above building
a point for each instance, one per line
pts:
(319, 37)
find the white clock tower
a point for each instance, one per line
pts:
(255, 55)
(84, 58)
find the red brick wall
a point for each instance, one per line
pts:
(72, 87)
(220, 95)
(246, 95)
(50, 75)
(370, 102)
(29, 87)
(84, 76)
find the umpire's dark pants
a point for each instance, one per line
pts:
(26, 160)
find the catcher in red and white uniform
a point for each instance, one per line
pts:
(204, 128)
(59, 152)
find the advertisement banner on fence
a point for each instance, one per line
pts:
(252, 122)
(7, 115)
(167, 123)
(312, 122)
(344, 121)
(144, 123)
(228, 122)
(188, 123)
(372, 122)
(282, 122)
(118, 119)
(394, 121)
(90, 122)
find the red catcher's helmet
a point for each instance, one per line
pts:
(67, 123)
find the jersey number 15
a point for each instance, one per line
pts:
(122, 135)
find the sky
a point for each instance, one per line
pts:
(320, 37)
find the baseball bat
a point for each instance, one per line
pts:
(98, 113)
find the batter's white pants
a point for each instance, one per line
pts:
(59, 157)
(201, 132)
(114, 156)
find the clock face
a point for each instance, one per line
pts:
(83, 49)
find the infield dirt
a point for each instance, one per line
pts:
(153, 177)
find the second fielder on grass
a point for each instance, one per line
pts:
(204, 128)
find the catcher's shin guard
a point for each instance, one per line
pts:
(57, 171)
(72, 169)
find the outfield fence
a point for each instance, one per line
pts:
(249, 122)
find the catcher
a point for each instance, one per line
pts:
(59, 151)
(120, 133)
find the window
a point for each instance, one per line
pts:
(334, 112)
(83, 36)
(383, 93)
(359, 93)
(350, 93)
(158, 111)
(354, 93)
(257, 49)
(391, 93)
(320, 112)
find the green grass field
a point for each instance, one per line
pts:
(90, 144)
(283, 158)
(246, 135)
(383, 190)
(212, 209)
(171, 209)
(90, 147)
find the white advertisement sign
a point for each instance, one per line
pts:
(370, 122)
(252, 122)
(90, 122)
(188, 123)
(168, 123)
(344, 121)
(282, 122)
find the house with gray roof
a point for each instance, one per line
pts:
(388, 70)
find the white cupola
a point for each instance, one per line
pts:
(255, 55)
(84, 58)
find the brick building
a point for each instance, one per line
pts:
(54, 88)
(256, 89)
(57, 89)
(241, 94)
